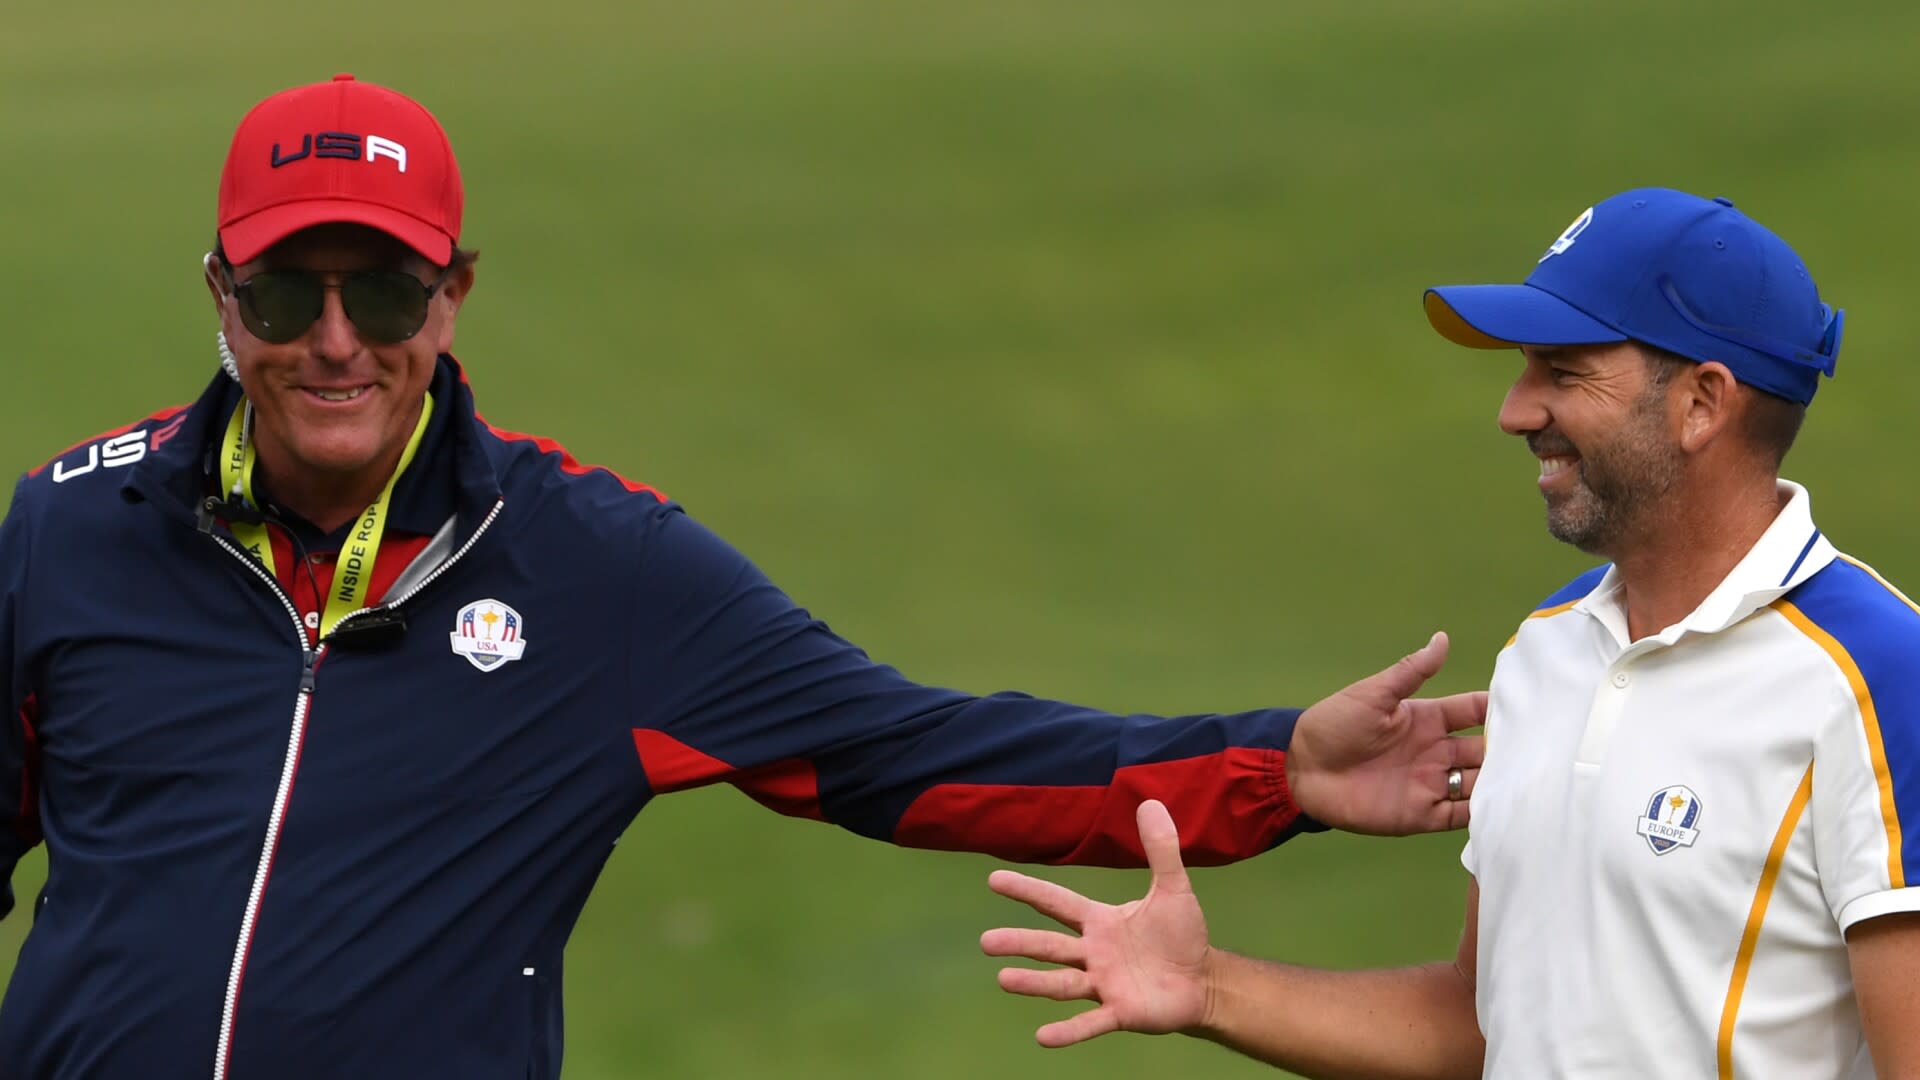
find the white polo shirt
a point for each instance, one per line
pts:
(1671, 835)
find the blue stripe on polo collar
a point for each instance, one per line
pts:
(1693, 276)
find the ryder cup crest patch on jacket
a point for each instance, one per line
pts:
(489, 633)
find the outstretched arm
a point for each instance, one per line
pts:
(735, 683)
(1150, 968)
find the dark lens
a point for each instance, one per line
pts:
(279, 305)
(388, 306)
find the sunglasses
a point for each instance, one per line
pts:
(385, 306)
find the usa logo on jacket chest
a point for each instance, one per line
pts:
(489, 633)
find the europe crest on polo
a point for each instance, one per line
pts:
(1670, 819)
(489, 633)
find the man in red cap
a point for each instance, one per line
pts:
(294, 831)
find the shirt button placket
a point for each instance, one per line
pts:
(1603, 716)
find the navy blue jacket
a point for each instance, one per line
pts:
(364, 859)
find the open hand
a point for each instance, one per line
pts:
(1369, 760)
(1145, 962)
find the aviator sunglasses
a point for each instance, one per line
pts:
(385, 306)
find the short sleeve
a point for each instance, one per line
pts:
(1862, 780)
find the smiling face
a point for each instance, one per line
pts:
(1598, 419)
(333, 409)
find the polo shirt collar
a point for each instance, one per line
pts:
(1788, 553)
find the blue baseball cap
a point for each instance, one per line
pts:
(1693, 276)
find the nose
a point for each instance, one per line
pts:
(1524, 411)
(334, 337)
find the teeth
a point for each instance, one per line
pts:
(1552, 465)
(339, 395)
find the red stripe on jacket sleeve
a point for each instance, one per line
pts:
(1228, 806)
(568, 464)
(26, 821)
(790, 787)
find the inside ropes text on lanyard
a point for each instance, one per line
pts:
(353, 574)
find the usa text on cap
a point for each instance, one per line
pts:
(340, 151)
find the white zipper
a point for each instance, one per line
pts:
(301, 706)
(485, 524)
(302, 703)
(290, 765)
(434, 575)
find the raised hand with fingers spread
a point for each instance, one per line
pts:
(1145, 962)
(1150, 969)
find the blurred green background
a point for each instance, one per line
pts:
(1066, 347)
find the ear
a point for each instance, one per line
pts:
(220, 284)
(216, 276)
(1707, 400)
(453, 292)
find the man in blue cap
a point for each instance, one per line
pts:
(1691, 842)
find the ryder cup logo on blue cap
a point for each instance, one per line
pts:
(1693, 276)
(1571, 236)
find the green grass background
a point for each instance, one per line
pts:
(1067, 347)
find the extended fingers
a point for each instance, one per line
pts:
(1469, 751)
(1440, 719)
(1088, 1025)
(1431, 657)
(1161, 841)
(1057, 902)
(1462, 711)
(1049, 946)
(1060, 984)
(1409, 673)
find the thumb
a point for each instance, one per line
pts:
(1410, 672)
(1161, 841)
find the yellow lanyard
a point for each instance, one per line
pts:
(353, 571)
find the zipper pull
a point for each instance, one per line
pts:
(371, 628)
(309, 659)
(230, 511)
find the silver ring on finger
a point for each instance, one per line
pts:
(1456, 785)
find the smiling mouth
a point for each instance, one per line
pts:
(338, 395)
(1554, 466)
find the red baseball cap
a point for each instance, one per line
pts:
(341, 150)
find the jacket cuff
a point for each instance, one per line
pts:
(1301, 822)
